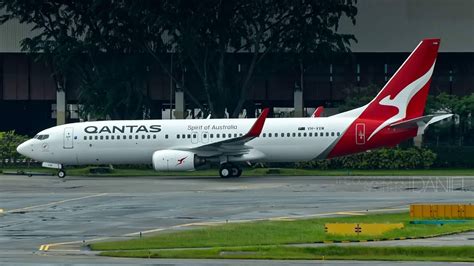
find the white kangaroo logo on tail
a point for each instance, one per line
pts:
(402, 99)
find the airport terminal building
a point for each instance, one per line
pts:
(386, 32)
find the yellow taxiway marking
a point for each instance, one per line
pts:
(55, 203)
(351, 213)
(46, 247)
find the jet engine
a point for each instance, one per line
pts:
(174, 160)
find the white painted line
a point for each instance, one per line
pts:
(55, 203)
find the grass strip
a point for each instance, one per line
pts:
(459, 254)
(279, 233)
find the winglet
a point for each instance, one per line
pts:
(318, 112)
(258, 125)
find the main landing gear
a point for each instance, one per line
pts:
(229, 170)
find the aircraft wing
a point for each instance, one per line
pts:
(233, 146)
(318, 112)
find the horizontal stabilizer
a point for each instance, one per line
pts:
(421, 122)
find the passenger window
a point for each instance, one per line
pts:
(194, 136)
(166, 136)
(112, 137)
(327, 134)
(130, 136)
(229, 135)
(241, 134)
(299, 134)
(304, 134)
(269, 135)
(154, 136)
(183, 136)
(136, 136)
(321, 134)
(189, 136)
(118, 137)
(332, 134)
(124, 137)
(85, 137)
(235, 135)
(294, 134)
(90, 137)
(310, 134)
(147, 136)
(143, 136)
(276, 135)
(204, 136)
(218, 135)
(95, 137)
(288, 135)
(338, 134)
(282, 135)
(264, 135)
(107, 137)
(177, 136)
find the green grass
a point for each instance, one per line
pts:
(261, 172)
(462, 253)
(276, 233)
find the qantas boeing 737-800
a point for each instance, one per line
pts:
(394, 115)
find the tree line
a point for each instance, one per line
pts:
(107, 47)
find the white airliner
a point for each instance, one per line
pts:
(394, 115)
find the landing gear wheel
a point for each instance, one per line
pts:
(62, 174)
(236, 171)
(225, 171)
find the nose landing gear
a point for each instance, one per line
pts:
(229, 170)
(61, 173)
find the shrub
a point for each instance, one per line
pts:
(411, 158)
(8, 143)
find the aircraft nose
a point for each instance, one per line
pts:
(22, 148)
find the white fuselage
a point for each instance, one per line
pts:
(135, 141)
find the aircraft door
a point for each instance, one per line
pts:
(205, 137)
(360, 134)
(68, 138)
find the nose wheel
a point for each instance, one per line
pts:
(61, 173)
(229, 170)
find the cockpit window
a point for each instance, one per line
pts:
(41, 137)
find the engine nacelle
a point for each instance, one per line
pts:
(172, 160)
